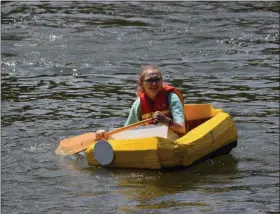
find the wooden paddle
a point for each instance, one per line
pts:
(73, 145)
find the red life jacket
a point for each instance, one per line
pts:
(160, 103)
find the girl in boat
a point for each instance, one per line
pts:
(156, 100)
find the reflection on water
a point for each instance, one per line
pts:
(159, 186)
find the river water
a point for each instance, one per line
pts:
(71, 67)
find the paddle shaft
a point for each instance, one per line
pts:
(143, 122)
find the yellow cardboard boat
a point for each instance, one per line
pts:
(210, 132)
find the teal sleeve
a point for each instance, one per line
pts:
(176, 108)
(135, 113)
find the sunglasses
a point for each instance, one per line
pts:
(155, 80)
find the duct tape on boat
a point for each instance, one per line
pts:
(103, 152)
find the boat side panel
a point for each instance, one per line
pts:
(197, 111)
(170, 153)
(132, 153)
(200, 111)
(208, 137)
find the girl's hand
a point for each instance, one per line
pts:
(100, 134)
(159, 117)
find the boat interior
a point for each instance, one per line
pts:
(196, 114)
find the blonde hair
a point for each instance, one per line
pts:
(142, 74)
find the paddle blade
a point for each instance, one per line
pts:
(72, 145)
